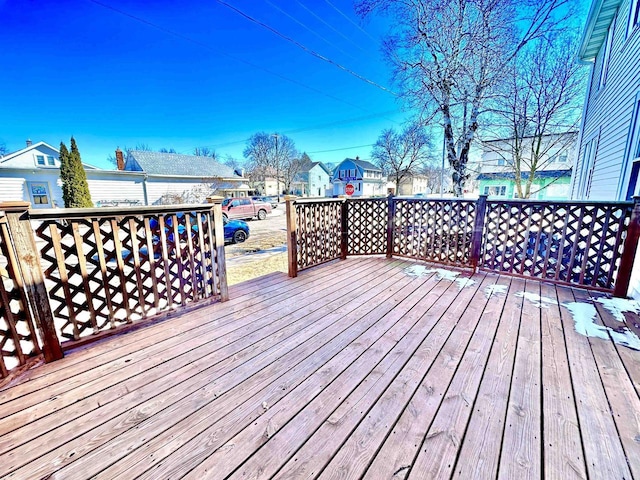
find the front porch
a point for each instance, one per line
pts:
(367, 367)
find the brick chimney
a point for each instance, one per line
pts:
(29, 142)
(119, 159)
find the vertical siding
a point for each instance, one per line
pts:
(609, 111)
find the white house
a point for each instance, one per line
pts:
(608, 163)
(609, 156)
(313, 180)
(33, 174)
(366, 178)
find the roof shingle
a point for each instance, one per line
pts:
(158, 163)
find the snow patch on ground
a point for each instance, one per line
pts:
(495, 290)
(584, 316)
(418, 271)
(441, 274)
(617, 307)
(537, 300)
(464, 282)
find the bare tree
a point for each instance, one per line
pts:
(167, 150)
(3, 149)
(449, 58)
(401, 155)
(205, 152)
(140, 147)
(273, 155)
(537, 117)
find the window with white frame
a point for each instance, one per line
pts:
(496, 190)
(588, 166)
(634, 16)
(51, 161)
(606, 55)
(40, 159)
(634, 151)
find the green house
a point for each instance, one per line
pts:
(547, 184)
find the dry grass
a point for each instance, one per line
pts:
(253, 269)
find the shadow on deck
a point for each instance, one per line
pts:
(366, 367)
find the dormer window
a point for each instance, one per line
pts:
(40, 159)
(51, 161)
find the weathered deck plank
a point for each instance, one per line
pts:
(354, 369)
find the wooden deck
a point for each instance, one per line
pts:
(354, 369)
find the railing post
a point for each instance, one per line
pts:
(344, 229)
(218, 226)
(478, 227)
(30, 272)
(391, 208)
(292, 244)
(623, 278)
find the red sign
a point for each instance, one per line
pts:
(349, 189)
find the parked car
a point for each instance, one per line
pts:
(235, 231)
(245, 208)
(271, 200)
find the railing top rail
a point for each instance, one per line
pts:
(519, 201)
(57, 213)
(426, 199)
(300, 201)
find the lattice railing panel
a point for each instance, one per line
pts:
(318, 232)
(18, 339)
(103, 271)
(578, 243)
(367, 226)
(434, 230)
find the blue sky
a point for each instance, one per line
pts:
(73, 67)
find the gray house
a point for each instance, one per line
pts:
(608, 163)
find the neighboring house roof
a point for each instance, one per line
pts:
(595, 30)
(365, 164)
(525, 175)
(35, 146)
(158, 163)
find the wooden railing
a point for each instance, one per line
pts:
(591, 244)
(85, 273)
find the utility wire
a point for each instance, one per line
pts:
(320, 19)
(344, 148)
(305, 129)
(238, 59)
(303, 47)
(294, 19)
(351, 21)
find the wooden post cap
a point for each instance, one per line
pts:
(215, 199)
(17, 206)
(289, 198)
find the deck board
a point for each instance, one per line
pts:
(354, 369)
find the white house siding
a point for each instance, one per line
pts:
(20, 181)
(12, 188)
(608, 115)
(119, 190)
(319, 181)
(157, 188)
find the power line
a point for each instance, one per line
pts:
(345, 148)
(238, 59)
(313, 127)
(320, 19)
(350, 20)
(294, 19)
(305, 48)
